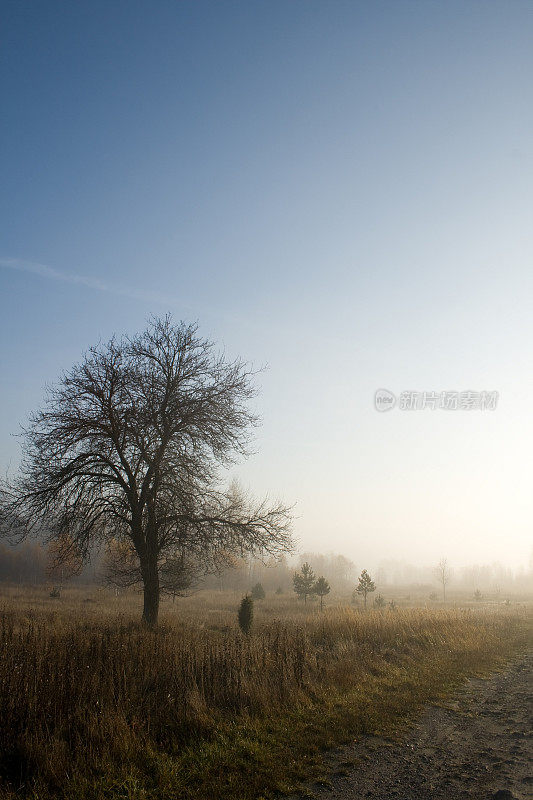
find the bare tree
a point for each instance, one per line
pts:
(177, 574)
(443, 575)
(63, 562)
(129, 448)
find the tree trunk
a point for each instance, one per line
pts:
(150, 577)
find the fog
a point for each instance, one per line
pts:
(346, 204)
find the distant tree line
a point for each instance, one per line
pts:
(25, 564)
(35, 563)
(32, 563)
(276, 574)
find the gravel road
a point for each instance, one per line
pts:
(478, 745)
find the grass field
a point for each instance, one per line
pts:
(95, 706)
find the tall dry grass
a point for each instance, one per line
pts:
(77, 694)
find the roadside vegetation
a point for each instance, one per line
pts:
(95, 705)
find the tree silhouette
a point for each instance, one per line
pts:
(129, 447)
(63, 559)
(365, 586)
(304, 581)
(322, 588)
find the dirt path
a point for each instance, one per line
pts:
(478, 745)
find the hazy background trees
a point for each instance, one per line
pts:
(443, 574)
(336, 568)
(27, 563)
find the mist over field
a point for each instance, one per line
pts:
(344, 198)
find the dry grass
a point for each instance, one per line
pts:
(93, 705)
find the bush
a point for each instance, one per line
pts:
(379, 602)
(258, 593)
(246, 614)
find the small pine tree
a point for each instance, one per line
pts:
(366, 585)
(478, 595)
(279, 590)
(246, 614)
(322, 588)
(304, 581)
(379, 602)
(258, 593)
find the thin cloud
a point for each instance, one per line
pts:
(43, 271)
(157, 298)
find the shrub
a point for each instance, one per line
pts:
(246, 614)
(258, 593)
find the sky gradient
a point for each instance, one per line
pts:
(339, 191)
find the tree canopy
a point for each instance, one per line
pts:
(129, 449)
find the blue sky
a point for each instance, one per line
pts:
(342, 191)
